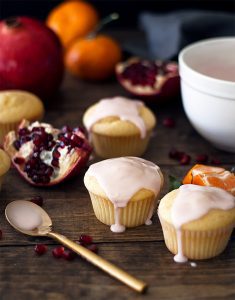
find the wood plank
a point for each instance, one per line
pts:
(49, 278)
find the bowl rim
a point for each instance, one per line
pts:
(197, 73)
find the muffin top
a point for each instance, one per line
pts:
(17, 105)
(5, 162)
(194, 207)
(121, 179)
(119, 116)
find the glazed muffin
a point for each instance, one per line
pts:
(123, 191)
(119, 127)
(5, 164)
(197, 221)
(16, 106)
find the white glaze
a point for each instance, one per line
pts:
(191, 203)
(24, 216)
(125, 109)
(121, 178)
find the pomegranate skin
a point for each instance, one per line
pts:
(31, 57)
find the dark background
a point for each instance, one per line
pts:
(128, 9)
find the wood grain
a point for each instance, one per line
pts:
(141, 251)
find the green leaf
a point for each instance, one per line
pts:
(174, 183)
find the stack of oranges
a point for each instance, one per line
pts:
(87, 56)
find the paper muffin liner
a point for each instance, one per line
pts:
(134, 214)
(112, 146)
(197, 244)
(1, 180)
(5, 128)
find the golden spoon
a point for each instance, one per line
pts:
(31, 219)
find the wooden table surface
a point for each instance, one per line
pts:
(140, 251)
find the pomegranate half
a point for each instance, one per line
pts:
(46, 156)
(149, 80)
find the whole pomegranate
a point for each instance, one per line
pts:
(30, 57)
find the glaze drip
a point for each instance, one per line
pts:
(121, 178)
(193, 202)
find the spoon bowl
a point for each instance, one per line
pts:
(17, 214)
(31, 219)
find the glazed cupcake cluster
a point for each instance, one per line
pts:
(197, 219)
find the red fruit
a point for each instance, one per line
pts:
(185, 159)
(40, 249)
(149, 80)
(215, 161)
(58, 252)
(30, 56)
(69, 255)
(50, 155)
(169, 122)
(93, 248)
(85, 239)
(37, 200)
(202, 158)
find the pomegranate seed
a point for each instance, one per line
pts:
(19, 160)
(69, 255)
(201, 158)
(215, 161)
(37, 200)
(85, 239)
(185, 159)
(93, 248)
(173, 153)
(17, 144)
(0, 234)
(58, 252)
(169, 122)
(66, 128)
(40, 249)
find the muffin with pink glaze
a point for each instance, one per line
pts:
(124, 191)
(119, 127)
(197, 221)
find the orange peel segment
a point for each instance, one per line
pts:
(211, 176)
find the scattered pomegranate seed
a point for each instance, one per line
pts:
(173, 153)
(215, 161)
(40, 249)
(58, 252)
(202, 158)
(0, 234)
(37, 200)
(93, 248)
(85, 239)
(69, 255)
(169, 122)
(185, 160)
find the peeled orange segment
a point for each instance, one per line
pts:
(211, 176)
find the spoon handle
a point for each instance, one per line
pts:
(101, 263)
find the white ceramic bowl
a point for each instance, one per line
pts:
(207, 71)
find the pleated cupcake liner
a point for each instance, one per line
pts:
(197, 244)
(1, 180)
(111, 146)
(5, 128)
(134, 214)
